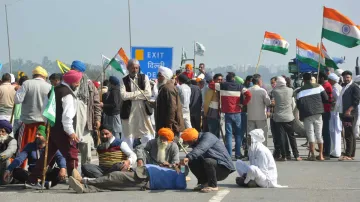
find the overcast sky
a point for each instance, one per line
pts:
(231, 30)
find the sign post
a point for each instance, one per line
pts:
(151, 58)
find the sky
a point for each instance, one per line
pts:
(231, 30)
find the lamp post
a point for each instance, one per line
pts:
(8, 37)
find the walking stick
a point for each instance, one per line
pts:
(12, 114)
(46, 154)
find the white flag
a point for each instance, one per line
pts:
(199, 49)
(183, 54)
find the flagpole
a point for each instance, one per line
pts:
(8, 37)
(320, 53)
(46, 154)
(194, 53)
(129, 25)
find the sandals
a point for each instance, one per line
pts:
(209, 189)
(311, 158)
(345, 158)
(199, 187)
(319, 159)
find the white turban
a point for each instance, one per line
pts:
(166, 72)
(257, 135)
(338, 72)
(334, 77)
(313, 79)
(12, 78)
(280, 81)
(357, 79)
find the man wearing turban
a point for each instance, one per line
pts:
(262, 171)
(189, 71)
(185, 94)
(160, 151)
(31, 152)
(8, 146)
(335, 122)
(168, 112)
(135, 89)
(63, 136)
(88, 115)
(209, 160)
(33, 95)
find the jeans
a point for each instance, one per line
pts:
(233, 121)
(326, 133)
(214, 126)
(207, 170)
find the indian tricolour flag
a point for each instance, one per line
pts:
(119, 61)
(309, 54)
(340, 29)
(275, 43)
(329, 62)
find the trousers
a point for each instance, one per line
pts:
(23, 175)
(196, 122)
(92, 170)
(326, 133)
(258, 124)
(286, 132)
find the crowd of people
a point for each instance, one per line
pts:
(139, 126)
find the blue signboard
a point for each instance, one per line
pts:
(151, 58)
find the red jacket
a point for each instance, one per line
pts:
(328, 89)
(190, 74)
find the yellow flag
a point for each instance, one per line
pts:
(63, 68)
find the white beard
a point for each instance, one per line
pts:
(3, 138)
(162, 83)
(161, 154)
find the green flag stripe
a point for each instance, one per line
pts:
(116, 65)
(276, 49)
(341, 39)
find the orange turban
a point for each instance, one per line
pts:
(190, 134)
(189, 66)
(198, 80)
(167, 133)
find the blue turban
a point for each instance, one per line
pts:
(6, 125)
(114, 80)
(78, 65)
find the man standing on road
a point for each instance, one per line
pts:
(7, 94)
(185, 94)
(335, 122)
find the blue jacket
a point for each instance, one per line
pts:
(209, 146)
(165, 178)
(30, 153)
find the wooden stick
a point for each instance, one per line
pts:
(320, 53)
(257, 65)
(46, 154)
(12, 114)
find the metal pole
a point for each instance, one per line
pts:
(8, 38)
(129, 25)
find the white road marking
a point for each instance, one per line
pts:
(220, 195)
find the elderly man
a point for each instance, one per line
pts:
(335, 122)
(7, 148)
(88, 112)
(168, 106)
(347, 105)
(114, 155)
(63, 136)
(185, 94)
(32, 152)
(33, 96)
(161, 151)
(262, 171)
(208, 161)
(7, 94)
(111, 106)
(257, 106)
(134, 114)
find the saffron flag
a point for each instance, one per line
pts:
(119, 61)
(309, 54)
(275, 43)
(329, 62)
(340, 29)
(63, 68)
(50, 110)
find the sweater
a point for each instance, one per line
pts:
(31, 153)
(7, 94)
(351, 97)
(112, 102)
(328, 89)
(258, 103)
(283, 110)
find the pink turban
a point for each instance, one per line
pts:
(72, 76)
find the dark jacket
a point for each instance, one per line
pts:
(169, 109)
(148, 152)
(310, 99)
(195, 100)
(351, 97)
(209, 146)
(112, 101)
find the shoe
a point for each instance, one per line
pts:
(288, 158)
(252, 184)
(76, 185)
(334, 157)
(198, 187)
(75, 174)
(305, 144)
(298, 159)
(36, 186)
(47, 184)
(327, 157)
(280, 159)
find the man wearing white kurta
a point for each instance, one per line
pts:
(335, 122)
(262, 169)
(135, 120)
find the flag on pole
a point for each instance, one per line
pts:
(183, 54)
(309, 54)
(275, 43)
(119, 61)
(340, 29)
(199, 49)
(50, 110)
(329, 62)
(63, 68)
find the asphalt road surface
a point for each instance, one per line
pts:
(308, 181)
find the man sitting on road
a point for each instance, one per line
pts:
(114, 155)
(32, 152)
(8, 146)
(161, 151)
(209, 160)
(262, 170)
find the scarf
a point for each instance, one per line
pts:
(339, 103)
(83, 90)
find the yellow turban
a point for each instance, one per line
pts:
(41, 71)
(167, 133)
(190, 134)
(189, 66)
